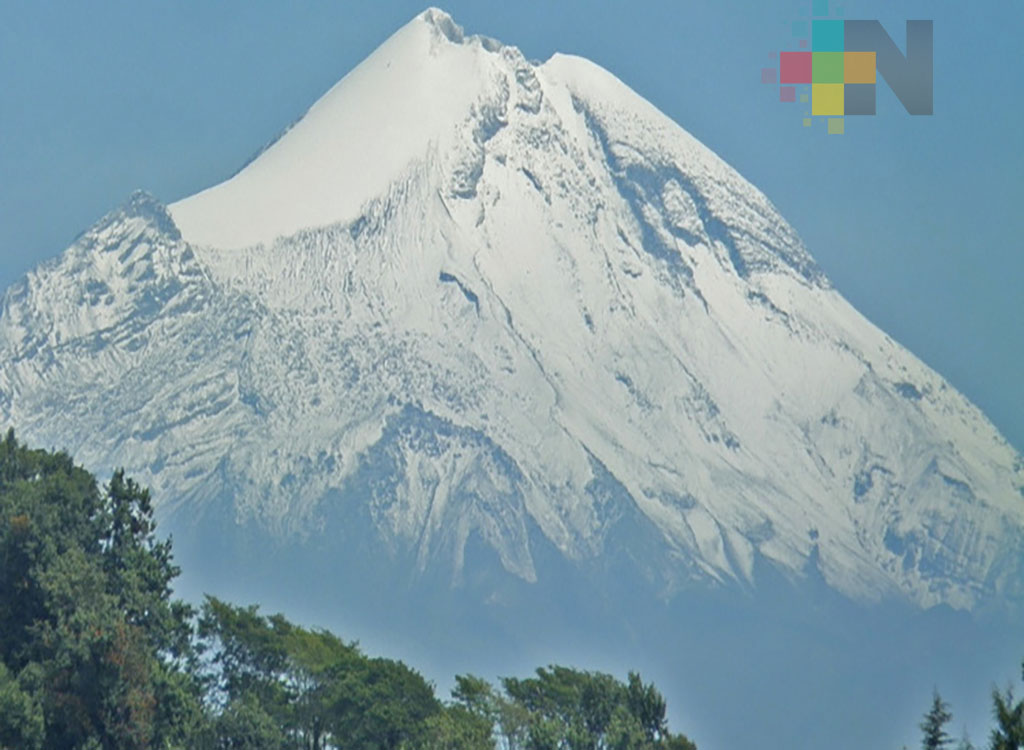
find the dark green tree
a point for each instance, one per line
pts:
(458, 728)
(508, 719)
(87, 621)
(1008, 733)
(244, 724)
(575, 710)
(382, 705)
(21, 714)
(933, 726)
(313, 686)
(95, 654)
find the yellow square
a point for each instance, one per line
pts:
(807, 122)
(803, 98)
(859, 67)
(835, 126)
(827, 99)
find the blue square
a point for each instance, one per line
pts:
(820, 8)
(827, 36)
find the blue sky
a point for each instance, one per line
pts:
(917, 220)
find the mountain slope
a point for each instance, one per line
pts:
(471, 296)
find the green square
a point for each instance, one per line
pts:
(827, 67)
(835, 126)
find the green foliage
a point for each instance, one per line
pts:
(317, 688)
(570, 709)
(933, 727)
(86, 617)
(383, 704)
(95, 654)
(458, 728)
(1008, 733)
(21, 714)
(245, 724)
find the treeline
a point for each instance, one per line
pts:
(96, 654)
(282, 686)
(1007, 734)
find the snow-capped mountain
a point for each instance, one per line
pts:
(474, 296)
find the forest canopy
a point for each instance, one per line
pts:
(97, 654)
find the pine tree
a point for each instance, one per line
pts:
(1009, 715)
(933, 727)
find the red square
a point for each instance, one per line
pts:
(795, 67)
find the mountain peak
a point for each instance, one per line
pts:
(478, 297)
(444, 23)
(358, 139)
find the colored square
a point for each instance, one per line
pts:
(803, 98)
(859, 67)
(820, 8)
(859, 99)
(795, 67)
(835, 126)
(827, 99)
(800, 28)
(827, 36)
(828, 67)
(767, 75)
(807, 122)
(787, 94)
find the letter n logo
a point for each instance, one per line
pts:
(909, 76)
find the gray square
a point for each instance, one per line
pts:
(859, 99)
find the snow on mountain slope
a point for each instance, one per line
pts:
(353, 143)
(473, 294)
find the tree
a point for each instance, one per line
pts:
(458, 728)
(575, 710)
(312, 685)
(245, 725)
(95, 654)
(648, 707)
(21, 715)
(1008, 733)
(87, 621)
(382, 705)
(933, 726)
(509, 720)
